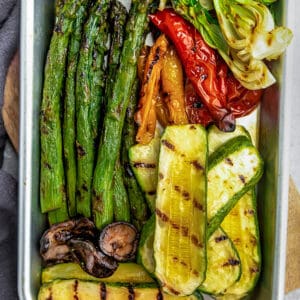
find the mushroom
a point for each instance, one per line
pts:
(119, 240)
(92, 260)
(53, 244)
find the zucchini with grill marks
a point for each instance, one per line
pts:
(180, 227)
(233, 169)
(217, 138)
(223, 264)
(241, 225)
(144, 163)
(89, 290)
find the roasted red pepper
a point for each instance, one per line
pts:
(200, 64)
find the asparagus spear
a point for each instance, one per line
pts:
(69, 111)
(52, 181)
(138, 206)
(118, 16)
(89, 90)
(114, 117)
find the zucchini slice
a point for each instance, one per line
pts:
(144, 162)
(234, 168)
(180, 227)
(241, 225)
(217, 138)
(145, 254)
(88, 290)
(126, 272)
(223, 264)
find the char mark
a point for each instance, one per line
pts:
(162, 215)
(168, 145)
(231, 262)
(144, 165)
(221, 238)
(197, 165)
(242, 178)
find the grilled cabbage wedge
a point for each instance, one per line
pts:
(223, 264)
(180, 227)
(89, 290)
(126, 272)
(144, 163)
(234, 168)
(241, 225)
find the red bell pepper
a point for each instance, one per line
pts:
(200, 64)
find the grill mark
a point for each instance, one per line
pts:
(195, 241)
(153, 63)
(221, 238)
(185, 230)
(237, 241)
(195, 272)
(80, 150)
(231, 262)
(151, 193)
(249, 212)
(102, 291)
(177, 188)
(254, 270)
(242, 178)
(192, 127)
(197, 165)
(161, 215)
(168, 145)
(144, 165)
(198, 205)
(173, 291)
(50, 296)
(161, 176)
(159, 295)
(175, 258)
(174, 225)
(131, 295)
(186, 195)
(75, 288)
(47, 166)
(183, 263)
(229, 161)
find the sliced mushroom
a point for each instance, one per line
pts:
(92, 260)
(119, 240)
(53, 244)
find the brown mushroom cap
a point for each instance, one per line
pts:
(119, 240)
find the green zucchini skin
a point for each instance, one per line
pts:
(226, 183)
(89, 290)
(115, 114)
(138, 206)
(145, 255)
(69, 119)
(180, 227)
(223, 264)
(89, 91)
(52, 175)
(241, 225)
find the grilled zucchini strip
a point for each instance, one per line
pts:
(233, 169)
(89, 290)
(179, 239)
(223, 264)
(241, 225)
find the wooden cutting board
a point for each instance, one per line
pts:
(10, 112)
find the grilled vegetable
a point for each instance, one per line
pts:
(119, 240)
(126, 272)
(115, 114)
(241, 225)
(87, 290)
(145, 255)
(173, 86)
(120, 198)
(223, 264)
(69, 125)
(144, 163)
(89, 90)
(138, 207)
(52, 181)
(145, 116)
(233, 169)
(179, 240)
(217, 138)
(201, 71)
